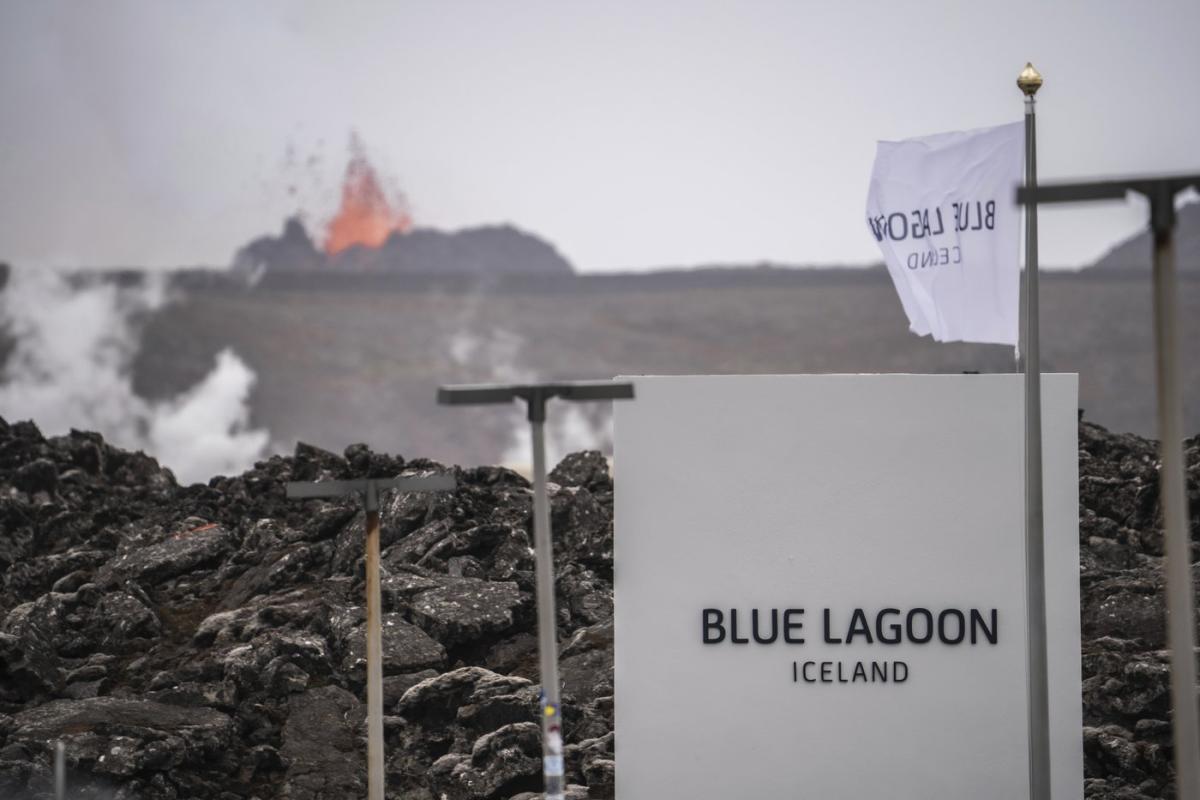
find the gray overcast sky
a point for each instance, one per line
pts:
(631, 134)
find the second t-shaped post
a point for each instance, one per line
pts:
(536, 396)
(372, 488)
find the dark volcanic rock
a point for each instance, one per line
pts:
(179, 553)
(321, 748)
(587, 664)
(467, 609)
(28, 643)
(206, 641)
(506, 760)
(36, 476)
(587, 469)
(133, 742)
(406, 648)
(1126, 674)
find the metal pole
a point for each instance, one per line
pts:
(374, 653)
(60, 771)
(1181, 611)
(552, 740)
(374, 634)
(536, 396)
(1035, 567)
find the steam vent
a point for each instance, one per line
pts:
(206, 642)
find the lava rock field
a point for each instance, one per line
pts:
(207, 641)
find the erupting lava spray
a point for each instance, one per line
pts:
(366, 216)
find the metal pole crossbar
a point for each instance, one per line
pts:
(1161, 191)
(372, 488)
(536, 396)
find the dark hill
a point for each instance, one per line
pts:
(484, 251)
(1136, 251)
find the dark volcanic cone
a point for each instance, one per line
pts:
(486, 251)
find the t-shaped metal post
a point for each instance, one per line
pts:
(536, 397)
(1181, 612)
(372, 487)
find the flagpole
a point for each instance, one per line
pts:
(1029, 82)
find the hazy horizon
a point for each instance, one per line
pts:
(631, 137)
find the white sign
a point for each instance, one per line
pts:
(820, 587)
(943, 210)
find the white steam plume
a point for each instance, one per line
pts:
(496, 356)
(568, 430)
(70, 368)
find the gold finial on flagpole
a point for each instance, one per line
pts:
(1037, 666)
(1030, 80)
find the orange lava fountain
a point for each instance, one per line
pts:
(365, 217)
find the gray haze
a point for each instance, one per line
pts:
(630, 134)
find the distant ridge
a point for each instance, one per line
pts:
(1135, 252)
(486, 250)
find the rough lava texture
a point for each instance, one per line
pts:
(207, 641)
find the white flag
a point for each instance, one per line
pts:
(944, 212)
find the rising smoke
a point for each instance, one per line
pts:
(496, 355)
(70, 367)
